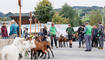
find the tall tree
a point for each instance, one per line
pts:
(59, 19)
(68, 12)
(95, 17)
(43, 11)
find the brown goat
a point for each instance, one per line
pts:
(62, 40)
(42, 46)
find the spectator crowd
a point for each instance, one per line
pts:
(91, 36)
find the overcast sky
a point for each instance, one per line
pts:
(28, 5)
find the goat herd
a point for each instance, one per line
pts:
(34, 48)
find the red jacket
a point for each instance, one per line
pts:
(4, 31)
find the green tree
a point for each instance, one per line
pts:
(95, 17)
(43, 11)
(59, 19)
(0, 18)
(68, 12)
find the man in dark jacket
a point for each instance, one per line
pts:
(101, 35)
(94, 36)
(44, 33)
(81, 35)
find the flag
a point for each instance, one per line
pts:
(19, 3)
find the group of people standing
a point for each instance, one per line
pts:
(51, 32)
(14, 31)
(91, 36)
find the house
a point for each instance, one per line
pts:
(24, 19)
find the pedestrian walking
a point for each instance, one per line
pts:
(13, 30)
(53, 35)
(4, 31)
(94, 36)
(88, 33)
(101, 35)
(70, 32)
(81, 36)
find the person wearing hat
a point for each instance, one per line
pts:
(13, 30)
(101, 35)
(53, 35)
(70, 32)
(88, 33)
(4, 31)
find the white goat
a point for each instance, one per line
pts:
(19, 46)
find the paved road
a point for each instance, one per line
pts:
(76, 53)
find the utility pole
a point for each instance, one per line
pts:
(30, 21)
(38, 26)
(35, 24)
(19, 3)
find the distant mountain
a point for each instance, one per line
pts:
(2, 14)
(85, 9)
(9, 14)
(59, 9)
(23, 14)
(12, 14)
(82, 7)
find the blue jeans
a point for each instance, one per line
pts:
(88, 42)
(81, 41)
(101, 41)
